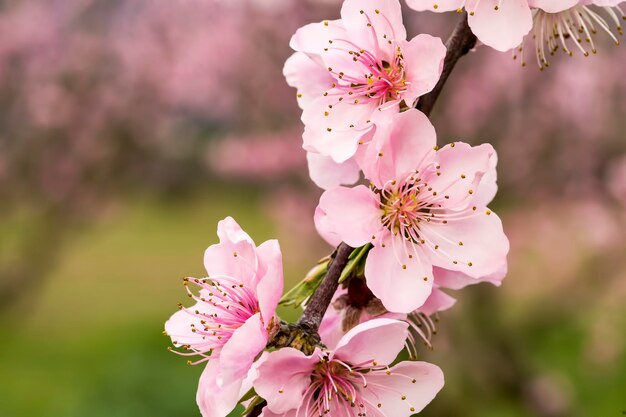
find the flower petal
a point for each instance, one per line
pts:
(398, 147)
(377, 340)
(504, 28)
(406, 390)
(456, 280)
(242, 349)
(283, 378)
(307, 76)
(373, 23)
(460, 172)
(438, 301)
(327, 173)
(435, 6)
(399, 275)
(554, 6)
(313, 38)
(423, 56)
(353, 214)
(472, 242)
(215, 400)
(270, 286)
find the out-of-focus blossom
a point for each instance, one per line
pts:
(617, 180)
(354, 71)
(234, 315)
(257, 157)
(425, 208)
(354, 379)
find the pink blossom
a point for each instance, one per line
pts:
(234, 314)
(424, 208)
(352, 71)
(354, 379)
(345, 313)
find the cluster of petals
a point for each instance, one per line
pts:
(351, 72)
(425, 207)
(503, 24)
(353, 379)
(233, 317)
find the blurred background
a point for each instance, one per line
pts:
(128, 128)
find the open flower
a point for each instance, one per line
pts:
(355, 70)
(424, 208)
(234, 315)
(352, 380)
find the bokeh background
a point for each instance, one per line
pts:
(128, 128)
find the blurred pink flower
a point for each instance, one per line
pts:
(352, 380)
(234, 314)
(353, 71)
(425, 208)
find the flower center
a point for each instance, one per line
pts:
(334, 384)
(406, 204)
(224, 305)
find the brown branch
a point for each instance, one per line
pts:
(460, 43)
(317, 306)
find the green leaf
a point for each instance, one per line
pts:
(356, 262)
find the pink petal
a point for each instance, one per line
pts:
(488, 186)
(423, 57)
(401, 290)
(335, 131)
(397, 394)
(268, 413)
(236, 260)
(214, 399)
(398, 147)
(313, 38)
(501, 29)
(353, 214)
(242, 349)
(330, 329)
(475, 244)
(555, 6)
(438, 301)
(229, 230)
(307, 76)
(179, 326)
(270, 286)
(325, 227)
(435, 6)
(358, 346)
(283, 378)
(461, 168)
(456, 280)
(385, 23)
(327, 173)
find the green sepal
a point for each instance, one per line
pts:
(356, 263)
(305, 288)
(255, 401)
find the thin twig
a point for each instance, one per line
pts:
(460, 43)
(317, 306)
